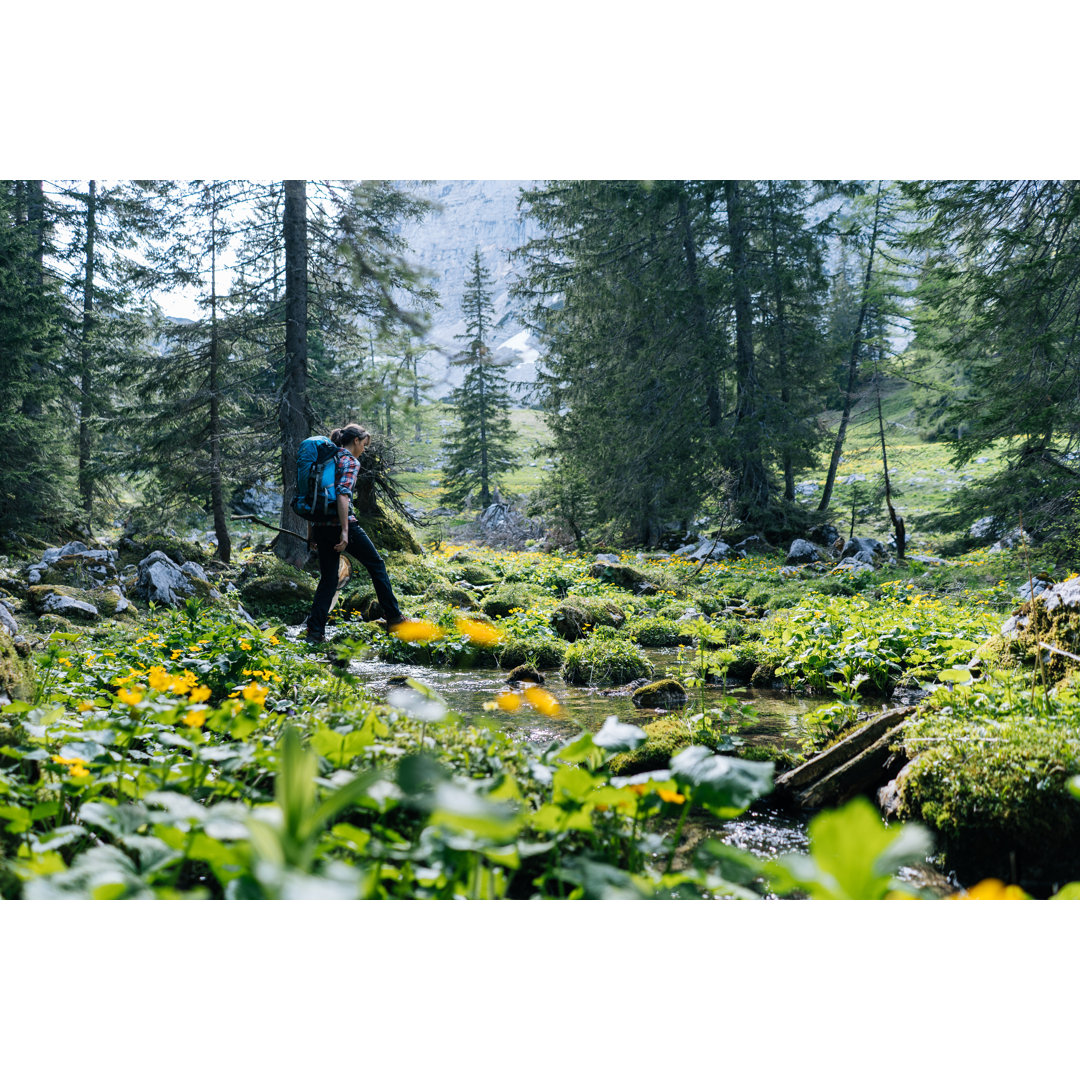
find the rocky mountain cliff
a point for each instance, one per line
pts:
(471, 215)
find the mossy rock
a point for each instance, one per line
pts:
(619, 575)
(545, 653)
(506, 598)
(575, 615)
(388, 532)
(48, 623)
(38, 598)
(16, 677)
(180, 551)
(411, 575)
(525, 673)
(662, 694)
(755, 663)
(656, 632)
(477, 574)
(272, 589)
(664, 739)
(1059, 627)
(363, 602)
(450, 594)
(605, 660)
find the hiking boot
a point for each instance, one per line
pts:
(315, 637)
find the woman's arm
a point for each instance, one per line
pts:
(343, 519)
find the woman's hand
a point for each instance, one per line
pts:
(343, 543)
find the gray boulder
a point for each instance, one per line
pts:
(1011, 539)
(985, 528)
(854, 566)
(874, 550)
(7, 621)
(802, 551)
(194, 570)
(1065, 593)
(715, 549)
(69, 607)
(161, 581)
(50, 555)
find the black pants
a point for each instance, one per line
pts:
(363, 550)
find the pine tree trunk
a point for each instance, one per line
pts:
(294, 419)
(697, 310)
(86, 387)
(35, 217)
(217, 495)
(753, 481)
(781, 346)
(485, 491)
(853, 363)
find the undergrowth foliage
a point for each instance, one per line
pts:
(196, 755)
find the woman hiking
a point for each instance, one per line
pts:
(346, 535)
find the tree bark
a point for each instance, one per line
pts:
(753, 481)
(86, 382)
(217, 495)
(853, 362)
(697, 310)
(294, 417)
(898, 522)
(781, 342)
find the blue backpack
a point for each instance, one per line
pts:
(316, 487)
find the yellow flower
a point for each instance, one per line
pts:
(246, 646)
(993, 889)
(129, 697)
(416, 630)
(479, 632)
(508, 702)
(78, 770)
(64, 661)
(159, 679)
(85, 706)
(273, 639)
(670, 796)
(176, 653)
(194, 719)
(68, 760)
(255, 692)
(200, 693)
(542, 701)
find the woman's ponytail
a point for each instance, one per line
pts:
(343, 436)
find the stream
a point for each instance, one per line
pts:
(762, 830)
(772, 718)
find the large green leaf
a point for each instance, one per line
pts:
(455, 807)
(853, 855)
(617, 737)
(725, 785)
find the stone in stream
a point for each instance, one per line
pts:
(525, 673)
(662, 694)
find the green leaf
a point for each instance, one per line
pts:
(1068, 892)
(1072, 786)
(457, 808)
(954, 675)
(618, 737)
(725, 785)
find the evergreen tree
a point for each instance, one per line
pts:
(478, 447)
(1000, 297)
(632, 323)
(36, 445)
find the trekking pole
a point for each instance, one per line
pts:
(267, 525)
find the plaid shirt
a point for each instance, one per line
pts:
(346, 470)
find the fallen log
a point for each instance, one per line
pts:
(854, 765)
